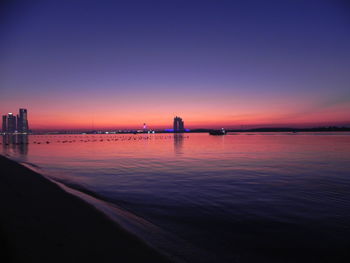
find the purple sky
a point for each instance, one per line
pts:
(214, 63)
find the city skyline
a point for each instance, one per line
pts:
(15, 124)
(246, 64)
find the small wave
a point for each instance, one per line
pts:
(28, 165)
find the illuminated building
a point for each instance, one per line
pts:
(11, 123)
(178, 125)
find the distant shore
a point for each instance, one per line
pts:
(40, 222)
(204, 130)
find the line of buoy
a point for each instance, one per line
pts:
(73, 139)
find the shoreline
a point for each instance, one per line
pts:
(41, 222)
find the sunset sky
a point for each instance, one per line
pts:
(233, 64)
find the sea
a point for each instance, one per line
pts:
(242, 197)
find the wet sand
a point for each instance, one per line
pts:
(40, 222)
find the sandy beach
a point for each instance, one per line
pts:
(40, 222)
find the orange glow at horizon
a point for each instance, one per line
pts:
(206, 119)
(198, 111)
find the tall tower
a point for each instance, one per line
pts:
(11, 123)
(22, 121)
(181, 125)
(178, 125)
(4, 123)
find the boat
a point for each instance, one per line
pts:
(218, 132)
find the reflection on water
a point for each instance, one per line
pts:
(15, 143)
(238, 197)
(178, 143)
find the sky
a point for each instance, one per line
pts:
(118, 64)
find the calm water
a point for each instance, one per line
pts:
(236, 198)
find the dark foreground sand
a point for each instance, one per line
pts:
(39, 222)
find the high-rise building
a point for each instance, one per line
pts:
(11, 123)
(181, 125)
(4, 123)
(18, 122)
(22, 121)
(178, 125)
